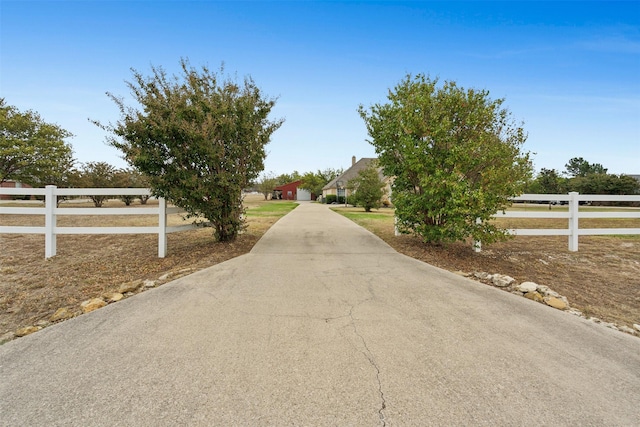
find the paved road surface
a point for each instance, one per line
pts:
(322, 324)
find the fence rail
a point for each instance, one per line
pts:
(51, 211)
(573, 215)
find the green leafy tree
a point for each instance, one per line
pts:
(266, 184)
(286, 178)
(140, 180)
(314, 182)
(199, 137)
(455, 156)
(368, 188)
(330, 174)
(548, 181)
(602, 183)
(60, 174)
(32, 151)
(592, 178)
(579, 167)
(125, 178)
(96, 175)
(627, 185)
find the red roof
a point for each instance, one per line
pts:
(289, 186)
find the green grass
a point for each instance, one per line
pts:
(357, 216)
(272, 209)
(384, 217)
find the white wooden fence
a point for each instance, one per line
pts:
(51, 211)
(573, 215)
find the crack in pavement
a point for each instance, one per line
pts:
(292, 316)
(366, 352)
(373, 363)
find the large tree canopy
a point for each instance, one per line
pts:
(604, 183)
(200, 137)
(579, 167)
(548, 181)
(95, 175)
(455, 156)
(314, 182)
(32, 151)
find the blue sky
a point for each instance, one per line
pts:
(569, 70)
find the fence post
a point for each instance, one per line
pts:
(574, 206)
(162, 227)
(50, 202)
(477, 244)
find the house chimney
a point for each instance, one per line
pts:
(353, 160)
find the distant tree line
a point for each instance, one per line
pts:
(104, 175)
(585, 178)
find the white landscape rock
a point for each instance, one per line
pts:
(543, 290)
(551, 293)
(501, 280)
(149, 283)
(575, 312)
(543, 294)
(483, 275)
(627, 329)
(526, 287)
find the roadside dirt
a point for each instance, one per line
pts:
(32, 288)
(602, 280)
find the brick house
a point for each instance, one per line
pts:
(12, 184)
(356, 166)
